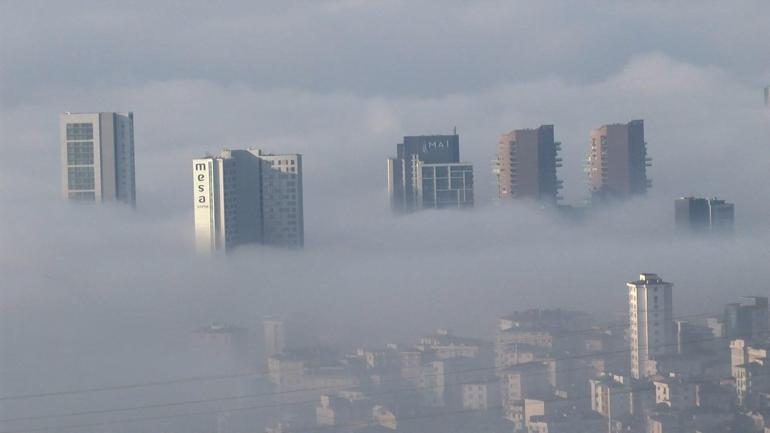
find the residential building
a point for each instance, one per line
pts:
(247, 197)
(526, 165)
(674, 392)
(427, 173)
(97, 157)
(617, 161)
(651, 330)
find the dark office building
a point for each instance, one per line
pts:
(427, 173)
(748, 319)
(701, 215)
(526, 165)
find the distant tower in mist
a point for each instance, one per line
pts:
(427, 173)
(526, 165)
(651, 324)
(767, 96)
(701, 215)
(247, 197)
(275, 336)
(97, 157)
(617, 161)
(226, 344)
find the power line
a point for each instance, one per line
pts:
(597, 329)
(307, 429)
(330, 389)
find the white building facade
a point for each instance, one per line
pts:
(247, 197)
(97, 157)
(651, 323)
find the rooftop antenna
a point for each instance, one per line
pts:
(454, 130)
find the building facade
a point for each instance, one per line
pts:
(97, 157)
(427, 173)
(247, 197)
(651, 324)
(617, 161)
(526, 165)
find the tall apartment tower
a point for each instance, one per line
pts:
(617, 161)
(526, 165)
(97, 157)
(651, 324)
(247, 197)
(427, 173)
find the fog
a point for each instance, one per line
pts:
(106, 295)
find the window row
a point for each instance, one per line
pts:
(80, 178)
(80, 153)
(80, 131)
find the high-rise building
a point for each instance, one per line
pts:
(617, 161)
(651, 324)
(247, 197)
(721, 215)
(702, 215)
(427, 173)
(444, 185)
(97, 157)
(747, 319)
(526, 165)
(692, 213)
(275, 336)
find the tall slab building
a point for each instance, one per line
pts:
(526, 165)
(651, 322)
(617, 161)
(427, 173)
(247, 197)
(97, 157)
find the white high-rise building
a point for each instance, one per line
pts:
(97, 157)
(247, 196)
(650, 305)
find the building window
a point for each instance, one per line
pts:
(80, 131)
(80, 153)
(80, 178)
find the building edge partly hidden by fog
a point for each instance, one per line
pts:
(427, 173)
(97, 157)
(247, 197)
(526, 165)
(617, 161)
(702, 215)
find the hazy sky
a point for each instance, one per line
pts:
(341, 82)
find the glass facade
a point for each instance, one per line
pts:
(80, 161)
(80, 131)
(445, 186)
(80, 152)
(80, 178)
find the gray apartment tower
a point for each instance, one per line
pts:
(97, 157)
(427, 173)
(617, 161)
(526, 165)
(701, 215)
(247, 197)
